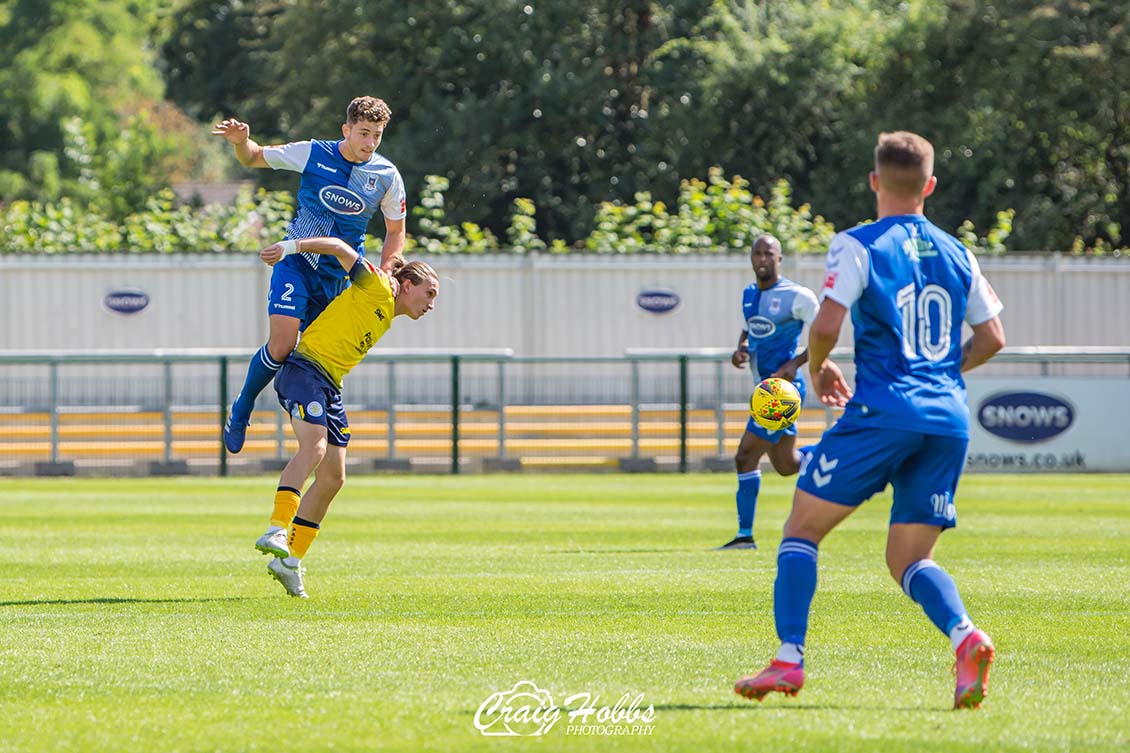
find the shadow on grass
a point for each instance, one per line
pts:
(753, 706)
(702, 707)
(619, 551)
(112, 600)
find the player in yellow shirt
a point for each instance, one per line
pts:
(309, 389)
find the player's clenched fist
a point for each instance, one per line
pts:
(272, 254)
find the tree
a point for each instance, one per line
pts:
(82, 104)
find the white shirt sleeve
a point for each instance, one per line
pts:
(394, 205)
(983, 303)
(293, 156)
(847, 271)
(805, 305)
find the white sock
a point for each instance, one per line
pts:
(292, 562)
(961, 631)
(793, 653)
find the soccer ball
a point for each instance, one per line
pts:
(775, 404)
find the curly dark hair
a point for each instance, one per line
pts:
(368, 108)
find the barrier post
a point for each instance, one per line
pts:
(455, 414)
(683, 413)
(223, 413)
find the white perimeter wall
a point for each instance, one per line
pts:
(537, 305)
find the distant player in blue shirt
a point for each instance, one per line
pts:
(775, 311)
(344, 183)
(909, 287)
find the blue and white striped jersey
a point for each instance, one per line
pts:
(774, 320)
(336, 197)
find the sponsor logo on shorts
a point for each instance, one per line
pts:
(760, 326)
(1025, 416)
(341, 200)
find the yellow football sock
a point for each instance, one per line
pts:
(286, 506)
(302, 534)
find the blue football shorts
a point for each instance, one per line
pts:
(851, 463)
(773, 437)
(308, 395)
(300, 291)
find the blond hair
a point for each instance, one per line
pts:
(904, 162)
(368, 108)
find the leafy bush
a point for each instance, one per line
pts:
(715, 216)
(64, 227)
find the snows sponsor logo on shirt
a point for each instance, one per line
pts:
(341, 200)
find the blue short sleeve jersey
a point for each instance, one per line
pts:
(336, 197)
(774, 319)
(909, 287)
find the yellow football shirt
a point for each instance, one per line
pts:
(340, 337)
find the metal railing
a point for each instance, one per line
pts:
(705, 391)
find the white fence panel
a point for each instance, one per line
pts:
(537, 305)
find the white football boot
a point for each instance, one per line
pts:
(290, 577)
(273, 542)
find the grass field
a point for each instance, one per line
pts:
(135, 616)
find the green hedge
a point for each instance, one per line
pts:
(718, 215)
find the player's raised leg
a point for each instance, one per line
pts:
(260, 371)
(924, 489)
(910, 552)
(810, 520)
(785, 456)
(287, 306)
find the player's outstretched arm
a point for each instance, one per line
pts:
(988, 338)
(335, 247)
(238, 134)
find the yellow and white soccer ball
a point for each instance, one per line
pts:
(775, 404)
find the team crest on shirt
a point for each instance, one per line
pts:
(370, 184)
(774, 305)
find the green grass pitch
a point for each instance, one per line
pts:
(136, 616)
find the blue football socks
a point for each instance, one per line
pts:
(260, 372)
(794, 588)
(934, 590)
(749, 485)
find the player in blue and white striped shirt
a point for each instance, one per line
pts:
(344, 183)
(909, 287)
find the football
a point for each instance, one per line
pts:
(775, 404)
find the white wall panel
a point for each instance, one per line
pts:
(537, 305)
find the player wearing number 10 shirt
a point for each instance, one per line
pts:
(909, 287)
